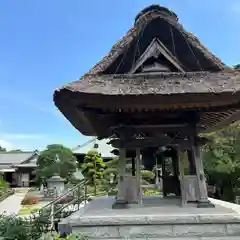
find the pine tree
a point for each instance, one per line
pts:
(93, 169)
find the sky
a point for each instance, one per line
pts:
(45, 44)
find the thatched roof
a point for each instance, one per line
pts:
(122, 46)
(144, 18)
(192, 70)
(158, 83)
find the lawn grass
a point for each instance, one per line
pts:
(34, 193)
(20, 190)
(34, 208)
(28, 209)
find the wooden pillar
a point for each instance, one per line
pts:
(201, 181)
(122, 169)
(192, 166)
(133, 167)
(174, 162)
(176, 171)
(138, 174)
(181, 175)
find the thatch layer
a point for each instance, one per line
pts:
(164, 83)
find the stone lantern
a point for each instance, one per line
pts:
(56, 182)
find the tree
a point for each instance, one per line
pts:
(221, 160)
(15, 150)
(93, 168)
(48, 164)
(237, 66)
(2, 149)
(111, 173)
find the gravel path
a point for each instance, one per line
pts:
(12, 204)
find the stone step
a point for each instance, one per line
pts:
(188, 238)
(167, 232)
(169, 221)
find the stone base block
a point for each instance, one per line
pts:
(120, 204)
(206, 204)
(167, 232)
(170, 238)
(225, 227)
(169, 221)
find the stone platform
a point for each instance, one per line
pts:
(156, 218)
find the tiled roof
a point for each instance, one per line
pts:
(14, 157)
(7, 159)
(103, 148)
(31, 163)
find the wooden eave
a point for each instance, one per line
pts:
(82, 104)
(95, 122)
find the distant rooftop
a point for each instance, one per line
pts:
(18, 159)
(100, 145)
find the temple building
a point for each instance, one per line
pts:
(101, 146)
(18, 168)
(153, 94)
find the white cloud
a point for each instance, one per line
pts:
(6, 144)
(21, 140)
(20, 136)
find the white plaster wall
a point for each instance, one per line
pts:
(25, 179)
(14, 178)
(19, 178)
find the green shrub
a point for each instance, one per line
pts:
(34, 228)
(151, 192)
(4, 187)
(55, 236)
(17, 228)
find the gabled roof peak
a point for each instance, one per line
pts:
(155, 9)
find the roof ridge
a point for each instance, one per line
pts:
(34, 153)
(84, 144)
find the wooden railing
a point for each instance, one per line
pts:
(64, 205)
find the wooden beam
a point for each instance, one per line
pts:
(143, 126)
(228, 120)
(210, 109)
(153, 130)
(153, 102)
(127, 134)
(142, 143)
